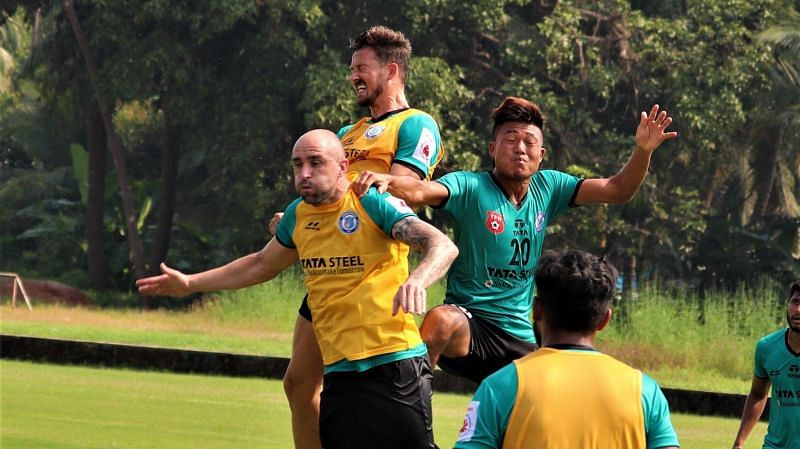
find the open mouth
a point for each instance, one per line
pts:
(360, 88)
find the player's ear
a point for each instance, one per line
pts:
(394, 70)
(605, 320)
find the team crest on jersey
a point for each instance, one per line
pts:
(538, 222)
(470, 420)
(495, 222)
(426, 145)
(398, 204)
(348, 222)
(374, 131)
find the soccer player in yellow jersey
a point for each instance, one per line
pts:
(394, 139)
(567, 394)
(353, 253)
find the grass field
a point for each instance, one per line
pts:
(679, 340)
(49, 406)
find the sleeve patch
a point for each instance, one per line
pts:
(426, 146)
(470, 421)
(399, 205)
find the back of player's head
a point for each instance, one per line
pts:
(515, 109)
(390, 46)
(575, 289)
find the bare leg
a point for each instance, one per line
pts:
(445, 331)
(303, 384)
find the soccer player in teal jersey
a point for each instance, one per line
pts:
(499, 220)
(777, 363)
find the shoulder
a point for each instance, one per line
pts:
(776, 338)
(414, 118)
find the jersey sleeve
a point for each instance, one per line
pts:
(657, 423)
(342, 131)
(758, 361)
(418, 144)
(385, 210)
(460, 186)
(490, 410)
(286, 227)
(563, 188)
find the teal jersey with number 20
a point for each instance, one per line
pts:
(499, 243)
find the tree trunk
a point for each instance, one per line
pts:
(114, 144)
(166, 200)
(95, 208)
(765, 167)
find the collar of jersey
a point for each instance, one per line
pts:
(387, 115)
(508, 197)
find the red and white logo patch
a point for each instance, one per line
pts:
(495, 223)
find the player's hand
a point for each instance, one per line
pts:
(412, 298)
(171, 283)
(652, 129)
(368, 179)
(273, 222)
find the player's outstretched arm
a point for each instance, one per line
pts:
(415, 192)
(245, 271)
(438, 252)
(620, 188)
(753, 408)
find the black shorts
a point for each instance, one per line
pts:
(388, 406)
(490, 348)
(304, 311)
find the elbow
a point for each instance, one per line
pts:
(452, 251)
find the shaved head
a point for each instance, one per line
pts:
(322, 139)
(319, 165)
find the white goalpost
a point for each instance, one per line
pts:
(17, 285)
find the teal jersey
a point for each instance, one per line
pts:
(774, 360)
(499, 244)
(489, 411)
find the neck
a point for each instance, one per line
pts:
(514, 188)
(559, 337)
(388, 103)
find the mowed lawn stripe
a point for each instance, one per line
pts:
(51, 406)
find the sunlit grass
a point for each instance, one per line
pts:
(678, 340)
(49, 406)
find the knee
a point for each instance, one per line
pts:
(440, 324)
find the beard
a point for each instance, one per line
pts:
(795, 329)
(370, 99)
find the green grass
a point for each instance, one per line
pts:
(49, 406)
(675, 338)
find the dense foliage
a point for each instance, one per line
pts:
(208, 97)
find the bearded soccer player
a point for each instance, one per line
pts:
(777, 364)
(499, 220)
(567, 394)
(353, 252)
(394, 139)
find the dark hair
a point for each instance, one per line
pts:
(795, 287)
(575, 289)
(390, 46)
(515, 109)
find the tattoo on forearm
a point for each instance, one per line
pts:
(412, 231)
(436, 256)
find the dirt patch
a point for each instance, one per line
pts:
(47, 292)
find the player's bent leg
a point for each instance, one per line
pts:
(445, 331)
(302, 384)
